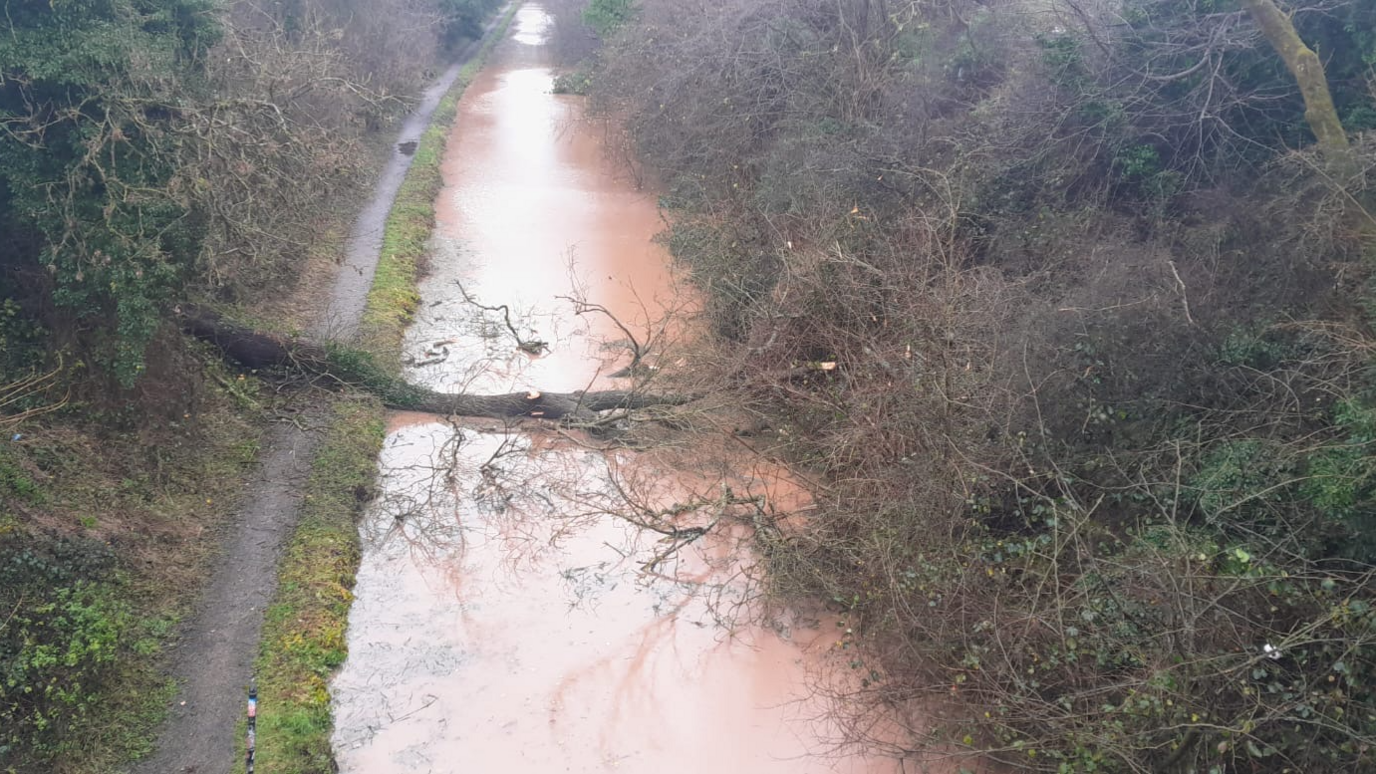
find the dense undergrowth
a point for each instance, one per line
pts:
(104, 523)
(160, 151)
(1098, 444)
(156, 153)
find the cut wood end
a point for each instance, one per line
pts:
(533, 395)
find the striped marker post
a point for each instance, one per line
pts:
(252, 725)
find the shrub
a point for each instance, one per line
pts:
(66, 624)
(607, 16)
(1070, 473)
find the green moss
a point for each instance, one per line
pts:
(17, 483)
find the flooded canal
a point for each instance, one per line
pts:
(510, 615)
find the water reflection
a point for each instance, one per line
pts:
(527, 602)
(509, 615)
(532, 26)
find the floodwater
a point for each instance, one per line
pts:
(509, 615)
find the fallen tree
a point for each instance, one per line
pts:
(257, 349)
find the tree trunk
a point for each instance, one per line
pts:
(1304, 64)
(259, 349)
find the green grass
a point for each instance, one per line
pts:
(393, 299)
(303, 636)
(119, 713)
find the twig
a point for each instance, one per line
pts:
(532, 346)
(1184, 297)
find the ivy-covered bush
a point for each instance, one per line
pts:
(65, 626)
(88, 89)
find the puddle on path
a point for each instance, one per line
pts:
(503, 622)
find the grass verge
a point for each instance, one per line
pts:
(394, 296)
(303, 636)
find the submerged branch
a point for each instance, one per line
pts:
(530, 346)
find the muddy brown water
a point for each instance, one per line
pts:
(503, 621)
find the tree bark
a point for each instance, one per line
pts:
(1304, 64)
(253, 348)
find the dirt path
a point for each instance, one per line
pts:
(214, 655)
